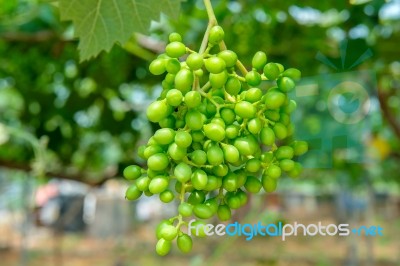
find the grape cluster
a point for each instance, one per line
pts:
(221, 136)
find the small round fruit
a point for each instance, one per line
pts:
(175, 49)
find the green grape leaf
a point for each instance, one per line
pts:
(99, 24)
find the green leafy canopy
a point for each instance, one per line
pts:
(99, 24)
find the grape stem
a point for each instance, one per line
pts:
(212, 21)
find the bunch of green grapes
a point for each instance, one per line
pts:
(220, 138)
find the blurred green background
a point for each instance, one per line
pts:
(68, 129)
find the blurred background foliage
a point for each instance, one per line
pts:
(87, 119)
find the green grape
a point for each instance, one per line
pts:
(158, 162)
(183, 139)
(213, 183)
(168, 232)
(253, 165)
(143, 183)
(296, 171)
(253, 184)
(254, 125)
(172, 66)
(280, 131)
(215, 65)
(215, 155)
(281, 67)
(202, 211)
(164, 136)
(290, 107)
(284, 119)
(216, 35)
(273, 171)
(220, 170)
(267, 136)
(158, 184)
(228, 115)
(175, 37)
(194, 61)
(292, 73)
(199, 157)
(199, 179)
(241, 177)
(247, 145)
(185, 209)
(184, 243)
(184, 80)
(196, 197)
(217, 81)
(272, 115)
(197, 136)
(224, 212)
(168, 122)
(286, 84)
(174, 97)
(158, 110)
(151, 150)
(229, 57)
(231, 153)
(242, 197)
(286, 165)
(160, 226)
(299, 147)
(274, 100)
(132, 172)
(259, 60)
(269, 184)
(219, 121)
(167, 196)
(157, 67)
(133, 193)
(253, 95)
(213, 204)
(192, 99)
(175, 49)
(284, 152)
(182, 172)
(163, 247)
(271, 71)
(194, 120)
(232, 131)
(245, 109)
(253, 78)
(175, 152)
(233, 202)
(230, 182)
(214, 131)
(233, 86)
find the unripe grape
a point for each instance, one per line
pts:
(284, 152)
(233, 202)
(213, 183)
(253, 165)
(286, 84)
(269, 184)
(253, 78)
(273, 171)
(215, 155)
(290, 107)
(158, 110)
(199, 179)
(214, 132)
(182, 172)
(218, 80)
(158, 184)
(296, 171)
(224, 212)
(163, 247)
(175, 152)
(184, 243)
(158, 162)
(202, 211)
(216, 35)
(230, 182)
(175, 37)
(151, 150)
(272, 115)
(167, 196)
(220, 170)
(157, 66)
(232, 131)
(245, 109)
(185, 209)
(299, 147)
(172, 66)
(215, 65)
(254, 125)
(194, 120)
(274, 100)
(231, 153)
(233, 86)
(183, 139)
(271, 71)
(143, 183)
(164, 136)
(133, 193)
(253, 95)
(199, 157)
(194, 61)
(259, 60)
(286, 165)
(174, 97)
(184, 80)
(197, 136)
(253, 184)
(168, 122)
(193, 99)
(196, 197)
(247, 145)
(280, 131)
(229, 57)
(175, 49)
(132, 172)
(292, 73)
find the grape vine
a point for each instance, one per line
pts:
(221, 136)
